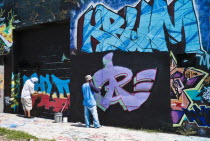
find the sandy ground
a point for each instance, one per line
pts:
(47, 129)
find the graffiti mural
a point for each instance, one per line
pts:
(206, 94)
(143, 82)
(41, 53)
(6, 32)
(189, 95)
(126, 47)
(1, 88)
(42, 11)
(205, 60)
(15, 90)
(148, 26)
(198, 115)
(132, 87)
(145, 26)
(46, 97)
(12, 101)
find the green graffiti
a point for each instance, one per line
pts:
(15, 87)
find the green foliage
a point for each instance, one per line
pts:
(186, 129)
(19, 135)
(167, 127)
(186, 132)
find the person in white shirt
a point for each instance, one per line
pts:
(27, 91)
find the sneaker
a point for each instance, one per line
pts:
(98, 126)
(87, 126)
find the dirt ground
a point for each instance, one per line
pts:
(47, 129)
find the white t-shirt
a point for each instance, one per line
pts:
(28, 89)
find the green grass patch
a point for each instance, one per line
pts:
(152, 130)
(148, 130)
(18, 135)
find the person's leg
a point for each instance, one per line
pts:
(29, 113)
(95, 116)
(24, 107)
(87, 116)
(29, 108)
(25, 113)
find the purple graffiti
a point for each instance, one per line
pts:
(115, 93)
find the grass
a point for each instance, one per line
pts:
(152, 130)
(167, 128)
(18, 135)
(185, 132)
(175, 131)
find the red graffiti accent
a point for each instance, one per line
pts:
(61, 138)
(97, 136)
(56, 104)
(179, 104)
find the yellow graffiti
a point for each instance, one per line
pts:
(1, 81)
(6, 31)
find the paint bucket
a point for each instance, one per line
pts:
(65, 119)
(58, 117)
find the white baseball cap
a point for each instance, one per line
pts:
(88, 77)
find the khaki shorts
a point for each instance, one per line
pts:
(26, 103)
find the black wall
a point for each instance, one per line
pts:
(151, 114)
(40, 49)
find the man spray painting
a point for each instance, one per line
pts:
(89, 102)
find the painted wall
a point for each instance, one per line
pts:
(53, 88)
(24, 13)
(131, 90)
(179, 27)
(190, 97)
(42, 11)
(146, 29)
(144, 26)
(43, 52)
(1, 88)
(7, 24)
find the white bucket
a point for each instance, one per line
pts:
(65, 119)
